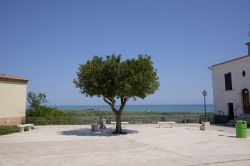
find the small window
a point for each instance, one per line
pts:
(228, 81)
(243, 73)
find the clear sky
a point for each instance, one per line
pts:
(45, 41)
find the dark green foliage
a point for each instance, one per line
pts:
(8, 129)
(44, 111)
(86, 113)
(113, 79)
(137, 117)
(209, 117)
(37, 109)
(36, 100)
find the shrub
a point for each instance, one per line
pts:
(8, 129)
(43, 111)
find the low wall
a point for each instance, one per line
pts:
(12, 120)
(222, 119)
(132, 119)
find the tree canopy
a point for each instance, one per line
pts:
(37, 108)
(112, 79)
(36, 100)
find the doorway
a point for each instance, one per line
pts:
(245, 101)
(230, 111)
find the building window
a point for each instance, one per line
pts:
(245, 100)
(228, 81)
(243, 73)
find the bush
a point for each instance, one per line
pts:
(43, 111)
(8, 129)
(79, 117)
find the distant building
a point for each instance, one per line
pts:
(231, 86)
(12, 99)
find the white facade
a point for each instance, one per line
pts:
(239, 82)
(12, 99)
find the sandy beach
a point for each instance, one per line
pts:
(184, 144)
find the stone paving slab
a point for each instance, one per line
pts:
(183, 145)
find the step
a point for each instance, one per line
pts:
(245, 116)
(230, 124)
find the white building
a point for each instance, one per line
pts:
(12, 99)
(231, 86)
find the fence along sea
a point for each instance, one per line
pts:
(148, 108)
(195, 116)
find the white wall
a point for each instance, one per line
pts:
(12, 99)
(221, 96)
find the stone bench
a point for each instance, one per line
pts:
(123, 123)
(22, 126)
(161, 123)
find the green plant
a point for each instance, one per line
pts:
(8, 129)
(36, 100)
(44, 111)
(37, 109)
(113, 79)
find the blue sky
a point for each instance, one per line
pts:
(45, 41)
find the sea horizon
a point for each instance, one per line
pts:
(144, 107)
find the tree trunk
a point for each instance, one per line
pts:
(118, 123)
(118, 113)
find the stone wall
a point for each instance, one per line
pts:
(12, 120)
(222, 119)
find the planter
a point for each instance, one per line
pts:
(94, 127)
(202, 127)
(207, 123)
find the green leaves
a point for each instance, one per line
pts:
(112, 78)
(44, 111)
(36, 107)
(35, 100)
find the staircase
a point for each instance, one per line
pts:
(245, 117)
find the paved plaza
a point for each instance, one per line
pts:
(144, 145)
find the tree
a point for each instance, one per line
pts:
(37, 109)
(36, 100)
(113, 79)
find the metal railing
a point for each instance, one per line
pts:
(132, 119)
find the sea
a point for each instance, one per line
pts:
(148, 108)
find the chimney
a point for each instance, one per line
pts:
(248, 45)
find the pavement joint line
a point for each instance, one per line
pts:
(219, 162)
(158, 148)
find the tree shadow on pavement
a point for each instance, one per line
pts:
(88, 132)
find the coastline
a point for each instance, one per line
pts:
(140, 108)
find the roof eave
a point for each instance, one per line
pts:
(6, 78)
(228, 61)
